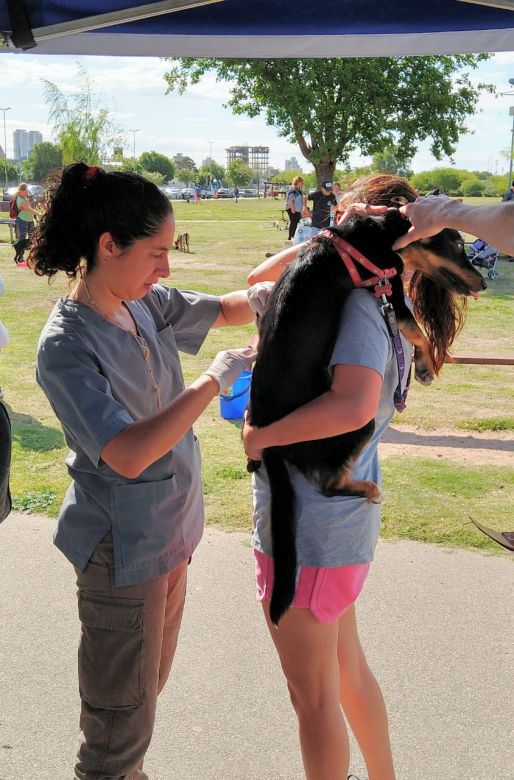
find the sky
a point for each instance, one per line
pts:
(197, 124)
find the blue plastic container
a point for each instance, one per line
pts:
(235, 399)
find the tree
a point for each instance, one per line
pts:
(154, 176)
(239, 173)
(13, 171)
(448, 180)
(388, 160)
(335, 106)
(85, 130)
(154, 162)
(213, 171)
(44, 159)
(185, 168)
(473, 187)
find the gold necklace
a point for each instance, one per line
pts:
(140, 341)
(108, 317)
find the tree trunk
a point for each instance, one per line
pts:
(324, 171)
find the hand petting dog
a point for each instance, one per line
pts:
(428, 216)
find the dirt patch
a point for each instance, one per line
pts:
(495, 448)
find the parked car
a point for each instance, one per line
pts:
(34, 190)
(173, 193)
(223, 192)
(187, 193)
(249, 193)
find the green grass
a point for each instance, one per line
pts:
(432, 501)
(227, 241)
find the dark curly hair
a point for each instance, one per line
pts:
(441, 313)
(86, 202)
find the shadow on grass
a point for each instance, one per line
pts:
(394, 436)
(30, 434)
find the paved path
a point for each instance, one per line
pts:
(438, 626)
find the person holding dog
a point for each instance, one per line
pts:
(317, 639)
(108, 362)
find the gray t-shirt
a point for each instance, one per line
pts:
(341, 530)
(96, 377)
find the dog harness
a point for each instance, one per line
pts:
(382, 288)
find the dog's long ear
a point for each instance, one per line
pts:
(434, 192)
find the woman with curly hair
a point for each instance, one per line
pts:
(108, 361)
(317, 638)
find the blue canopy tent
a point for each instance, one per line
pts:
(266, 28)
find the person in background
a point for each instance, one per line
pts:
(323, 201)
(236, 194)
(25, 222)
(338, 193)
(294, 204)
(108, 362)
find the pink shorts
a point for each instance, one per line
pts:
(326, 592)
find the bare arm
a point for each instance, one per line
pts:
(493, 224)
(234, 310)
(145, 441)
(351, 402)
(272, 267)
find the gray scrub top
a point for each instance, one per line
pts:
(96, 377)
(342, 530)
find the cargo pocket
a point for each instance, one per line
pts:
(110, 652)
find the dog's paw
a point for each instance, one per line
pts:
(373, 493)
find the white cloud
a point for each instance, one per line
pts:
(503, 58)
(210, 89)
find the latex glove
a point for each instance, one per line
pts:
(258, 295)
(227, 365)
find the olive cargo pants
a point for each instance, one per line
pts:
(128, 640)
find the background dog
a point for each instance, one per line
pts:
(182, 242)
(297, 333)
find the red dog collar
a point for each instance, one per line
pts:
(348, 254)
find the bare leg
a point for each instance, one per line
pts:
(308, 654)
(362, 701)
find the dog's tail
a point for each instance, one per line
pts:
(283, 528)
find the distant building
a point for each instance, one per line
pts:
(2, 154)
(24, 141)
(207, 161)
(293, 165)
(257, 157)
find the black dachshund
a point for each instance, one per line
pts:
(297, 333)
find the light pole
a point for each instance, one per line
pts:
(511, 113)
(5, 145)
(134, 142)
